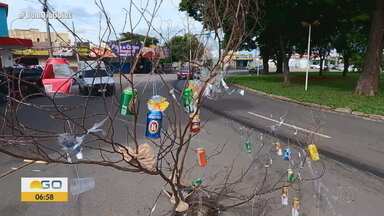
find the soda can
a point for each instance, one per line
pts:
(284, 200)
(128, 101)
(201, 157)
(313, 153)
(284, 190)
(287, 154)
(195, 123)
(279, 150)
(154, 119)
(296, 203)
(284, 196)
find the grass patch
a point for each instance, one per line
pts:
(331, 89)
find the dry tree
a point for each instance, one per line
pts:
(89, 138)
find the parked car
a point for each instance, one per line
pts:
(94, 78)
(314, 66)
(255, 69)
(57, 77)
(188, 73)
(22, 80)
(351, 68)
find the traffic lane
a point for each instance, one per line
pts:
(340, 134)
(345, 134)
(111, 199)
(50, 123)
(343, 190)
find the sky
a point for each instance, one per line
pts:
(86, 17)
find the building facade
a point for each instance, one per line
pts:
(60, 39)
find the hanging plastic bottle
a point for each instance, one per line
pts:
(201, 157)
(279, 149)
(284, 196)
(195, 123)
(187, 99)
(295, 206)
(287, 154)
(313, 153)
(157, 103)
(127, 101)
(197, 182)
(154, 120)
(291, 176)
(248, 146)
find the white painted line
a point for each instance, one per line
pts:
(289, 125)
(37, 162)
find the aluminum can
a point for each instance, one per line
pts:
(287, 154)
(279, 150)
(201, 157)
(313, 153)
(195, 123)
(154, 119)
(296, 203)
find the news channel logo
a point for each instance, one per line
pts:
(44, 189)
(32, 14)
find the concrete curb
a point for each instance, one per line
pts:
(328, 152)
(349, 111)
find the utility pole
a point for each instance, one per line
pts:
(309, 25)
(308, 56)
(190, 45)
(75, 41)
(45, 9)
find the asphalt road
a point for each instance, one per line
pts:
(351, 139)
(342, 190)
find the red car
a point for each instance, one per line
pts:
(57, 76)
(186, 73)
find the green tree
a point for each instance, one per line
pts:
(182, 46)
(139, 39)
(368, 83)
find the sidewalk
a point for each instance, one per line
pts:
(346, 138)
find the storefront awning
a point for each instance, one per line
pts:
(14, 43)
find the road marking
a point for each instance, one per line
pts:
(37, 162)
(289, 125)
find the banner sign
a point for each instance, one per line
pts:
(124, 49)
(31, 52)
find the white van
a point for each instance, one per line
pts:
(93, 78)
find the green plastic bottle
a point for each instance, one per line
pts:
(248, 146)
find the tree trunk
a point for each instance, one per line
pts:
(321, 66)
(286, 70)
(284, 61)
(265, 64)
(279, 64)
(322, 54)
(368, 83)
(265, 55)
(346, 65)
